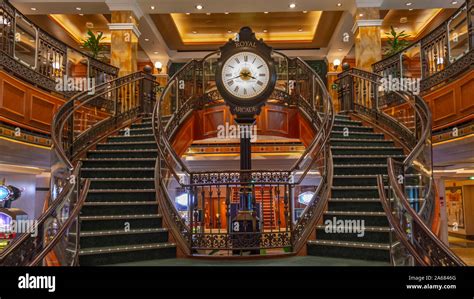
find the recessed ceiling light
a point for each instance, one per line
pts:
(78, 8)
(454, 2)
(152, 7)
(81, 14)
(410, 9)
(199, 6)
(226, 12)
(300, 29)
(156, 52)
(265, 30)
(188, 13)
(265, 12)
(147, 39)
(340, 49)
(194, 32)
(339, 4)
(305, 11)
(408, 4)
(208, 13)
(361, 15)
(292, 5)
(33, 8)
(229, 31)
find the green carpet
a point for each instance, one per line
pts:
(295, 261)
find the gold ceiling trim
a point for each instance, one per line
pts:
(73, 31)
(306, 35)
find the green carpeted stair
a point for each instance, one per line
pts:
(120, 222)
(358, 157)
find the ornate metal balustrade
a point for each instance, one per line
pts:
(411, 200)
(437, 57)
(78, 125)
(37, 57)
(198, 206)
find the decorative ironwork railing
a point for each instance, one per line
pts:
(411, 198)
(37, 57)
(78, 125)
(199, 206)
(437, 57)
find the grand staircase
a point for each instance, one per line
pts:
(359, 155)
(120, 220)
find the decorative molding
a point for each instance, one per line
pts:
(125, 5)
(366, 23)
(125, 26)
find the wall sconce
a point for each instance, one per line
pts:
(158, 66)
(336, 63)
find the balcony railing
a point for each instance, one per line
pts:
(437, 57)
(35, 56)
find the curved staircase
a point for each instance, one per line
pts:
(120, 221)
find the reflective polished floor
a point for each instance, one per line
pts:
(463, 248)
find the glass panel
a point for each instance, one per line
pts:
(458, 36)
(25, 42)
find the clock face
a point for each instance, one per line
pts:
(245, 75)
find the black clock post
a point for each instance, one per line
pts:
(245, 78)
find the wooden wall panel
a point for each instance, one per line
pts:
(276, 121)
(13, 100)
(453, 103)
(43, 111)
(211, 120)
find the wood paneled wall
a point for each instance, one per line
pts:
(273, 121)
(452, 104)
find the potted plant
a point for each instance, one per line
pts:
(93, 44)
(396, 41)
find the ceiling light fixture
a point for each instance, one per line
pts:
(33, 8)
(81, 14)
(292, 5)
(147, 39)
(78, 8)
(265, 12)
(199, 6)
(410, 9)
(361, 15)
(300, 29)
(208, 13)
(408, 4)
(152, 7)
(265, 30)
(305, 11)
(226, 13)
(188, 13)
(336, 63)
(454, 2)
(156, 52)
(339, 4)
(194, 32)
(229, 31)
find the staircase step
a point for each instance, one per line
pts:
(355, 191)
(127, 253)
(353, 250)
(370, 218)
(107, 238)
(353, 232)
(122, 183)
(361, 142)
(142, 153)
(146, 124)
(364, 159)
(119, 208)
(127, 145)
(345, 122)
(358, 204)
(356, 169)
(356, 135)
(351, 128)
(100, 195)
(119, 163)
(118, 172)
(354, 180)
(131, 138)
(116, 222)
(137, 131)
(365, 150)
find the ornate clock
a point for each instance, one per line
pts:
(246, 74)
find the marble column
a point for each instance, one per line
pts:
(124, 41)
(367, 37)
